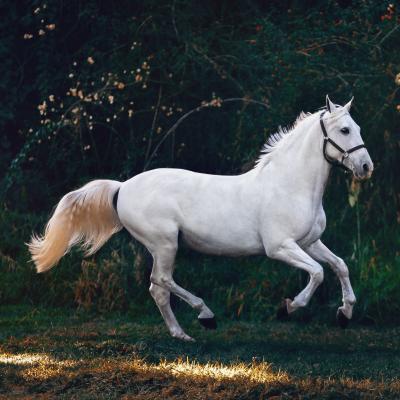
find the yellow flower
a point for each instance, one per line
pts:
(51, 27)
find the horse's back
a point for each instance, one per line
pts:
(172, 192)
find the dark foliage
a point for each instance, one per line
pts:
(90, 89)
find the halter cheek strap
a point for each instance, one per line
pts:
(345, 153)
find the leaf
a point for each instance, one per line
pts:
(354, 191)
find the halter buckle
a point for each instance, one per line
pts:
(345, 155)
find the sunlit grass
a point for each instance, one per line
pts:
(255, 372)
(36, 366)
(105, 358)
(43, 366)
(98, 373)
(22, 359)
(215, 379)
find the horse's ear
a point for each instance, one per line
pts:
(329, 105)
(348, 105)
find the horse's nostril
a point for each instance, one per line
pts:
(365, 167)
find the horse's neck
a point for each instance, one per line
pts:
(300, 162)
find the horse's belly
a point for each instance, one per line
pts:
(226, 245)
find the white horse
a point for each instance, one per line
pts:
(274, 209)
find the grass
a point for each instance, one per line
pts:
(58, 353)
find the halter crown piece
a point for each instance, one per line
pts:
(345, 153)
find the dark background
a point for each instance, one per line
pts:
(90, 88)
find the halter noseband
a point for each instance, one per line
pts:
(345, 153)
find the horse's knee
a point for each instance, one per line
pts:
(318, 275)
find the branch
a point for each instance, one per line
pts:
(194, 110)
(389, 34)
(153, 125)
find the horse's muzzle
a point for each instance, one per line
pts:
(363, 170)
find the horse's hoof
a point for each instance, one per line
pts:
(282, 314)
(187, 338)
(182, 336)
(208, 323)
(341, 319)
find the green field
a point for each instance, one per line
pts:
(53, 353)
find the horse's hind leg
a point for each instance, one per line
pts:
(162, 298)
(161, 275)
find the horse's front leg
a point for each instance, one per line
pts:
(291, 253)
(321, 253)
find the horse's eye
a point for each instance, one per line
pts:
(345, 131)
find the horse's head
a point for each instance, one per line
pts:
(343, 141)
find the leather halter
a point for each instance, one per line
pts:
(345, 153)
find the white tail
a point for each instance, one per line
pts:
(85, 215)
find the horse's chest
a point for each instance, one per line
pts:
(316, 228)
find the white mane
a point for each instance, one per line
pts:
(275, 139)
